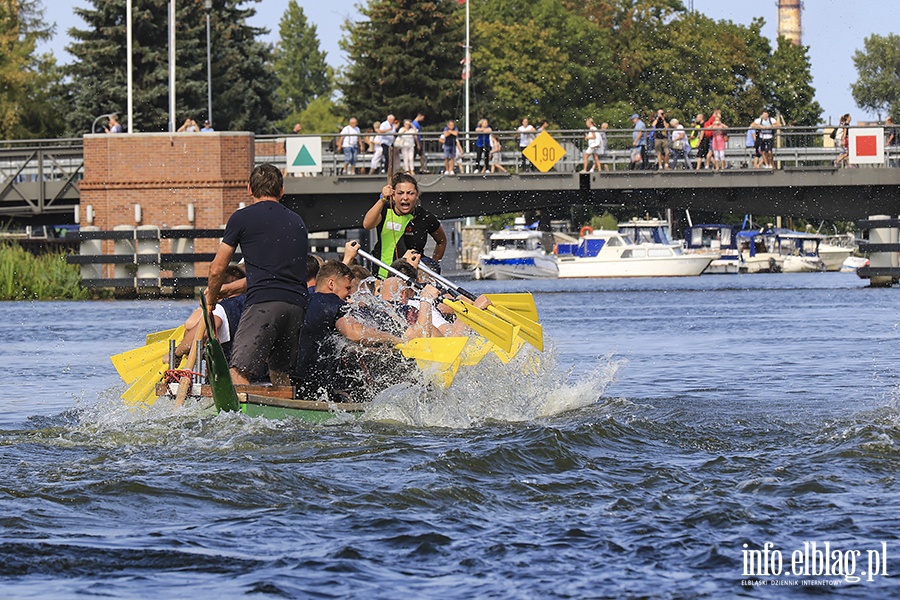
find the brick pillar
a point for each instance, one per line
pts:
(163, 173)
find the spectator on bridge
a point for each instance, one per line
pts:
(349, 145)
(376, 147)
(387, 130)
(483, 145)
(699, 140)
(891, 141)
(406, 143)
(708, 135)
(402, 224)
(660, 125)
(207, 127)
(752, 144)
(526, 136)
(765, 127)
(449, 139)
(496, 155)
(719, 141)
(593, 146)
(639, 158)
(842, 141)
(680, 147)
(114, 125)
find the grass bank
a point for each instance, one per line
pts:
(24, 276)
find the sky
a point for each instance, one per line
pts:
(833, 30)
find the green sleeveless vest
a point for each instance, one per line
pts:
(392, 229)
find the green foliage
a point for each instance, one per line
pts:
(787, 85)
(404, 59)
(24, 276)
(243, 81)
(300, 65)
(320, 116)
(606, 221)
(28, 83)
(878, 87)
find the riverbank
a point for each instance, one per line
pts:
(24, 276)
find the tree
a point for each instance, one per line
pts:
(787, 85)
(243, 81)
(302, 72)
(405, 58)
(28, 83)
(877, 89)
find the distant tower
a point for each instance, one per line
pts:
(789, 19)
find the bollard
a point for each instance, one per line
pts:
(149, 247)
(183, 245)
(124, 247)
(882, 235)
(91, 248)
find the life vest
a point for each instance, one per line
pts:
(392, 229)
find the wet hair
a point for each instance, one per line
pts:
(313, 264)
(404, 267)
(401, 177)
(333, 269)
(266, 181)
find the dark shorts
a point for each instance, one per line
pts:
(449, 152)
(765, 145)
(269, 333)
(703, 148)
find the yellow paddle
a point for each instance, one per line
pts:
(135, 363)
(529, 330)
(163, 335)
(490, 326)
(444, 350)
(520, 303)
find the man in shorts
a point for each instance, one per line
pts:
(274, 242)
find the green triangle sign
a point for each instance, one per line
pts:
(304, 158)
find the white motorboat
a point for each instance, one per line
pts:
(718, 241)
(612, 254)
(800, 252)
(834, 250)
(647, 231)
(516, 253)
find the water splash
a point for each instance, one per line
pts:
(531, 386)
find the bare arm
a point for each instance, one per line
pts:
(373, 215)
(217, 273)
(440, 243)
(357, 332)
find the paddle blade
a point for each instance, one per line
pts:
(168, 334)
(133, 364)
(505, 357)
(224, 394)
(522, 303)
(529, 330)
(475, 351)
(490, 326)
(441, 350)
(143, 390)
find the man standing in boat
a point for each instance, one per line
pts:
(274, 242)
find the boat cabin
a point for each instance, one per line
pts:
(647, 231)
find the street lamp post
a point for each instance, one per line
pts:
(208, 5)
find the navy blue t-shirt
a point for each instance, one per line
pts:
(274, 242)
(317, 350)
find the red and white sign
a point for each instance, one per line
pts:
(867, 146)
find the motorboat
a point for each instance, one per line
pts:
(757, 252)
(516, 253)
(647, 231)
(718, 241)
(834, 250)
(606, 253)
(800, 251)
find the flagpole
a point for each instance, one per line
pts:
(468, 72)
(130, 67)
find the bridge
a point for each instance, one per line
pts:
(39, 183)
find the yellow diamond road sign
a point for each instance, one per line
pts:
(544, 152)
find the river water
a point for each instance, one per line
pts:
(679, 438)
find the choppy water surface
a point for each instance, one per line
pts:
(669, 423)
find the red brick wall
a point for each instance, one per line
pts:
(164, 173)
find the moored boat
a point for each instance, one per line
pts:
(606, 253)
(800, 251)
(834, 250)
(718, 241)
(516, 253)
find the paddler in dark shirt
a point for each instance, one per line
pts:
(401, 223)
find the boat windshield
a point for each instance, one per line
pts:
(513, 244)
